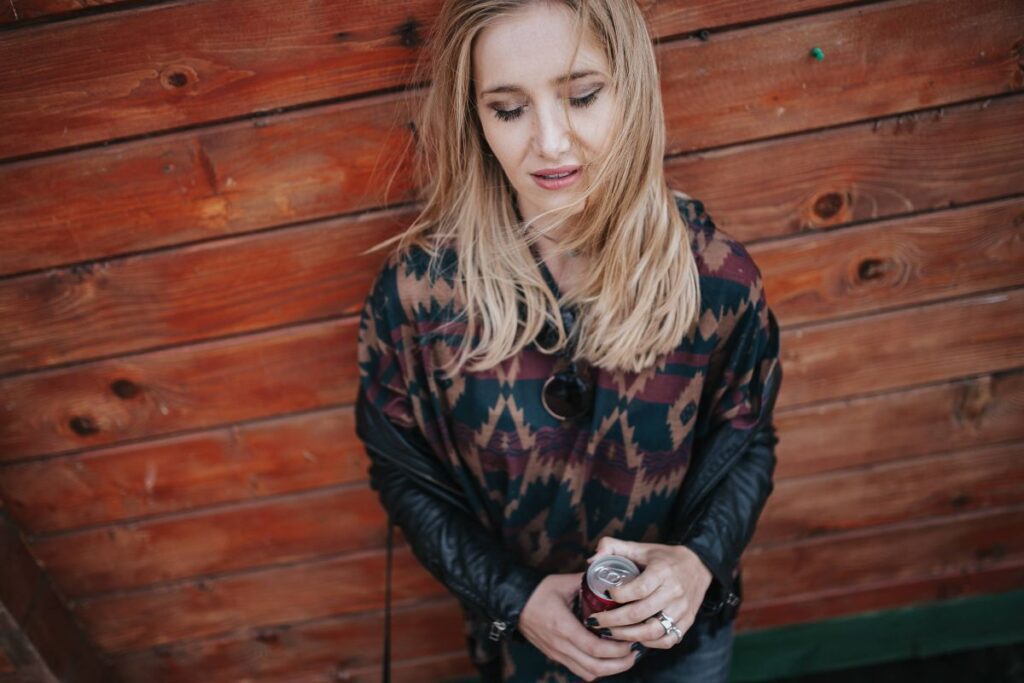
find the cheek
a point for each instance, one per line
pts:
(504, 141)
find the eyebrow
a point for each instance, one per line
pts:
(575, 75)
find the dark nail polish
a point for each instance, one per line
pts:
(591, 621)
(636, 647)
(605, 632)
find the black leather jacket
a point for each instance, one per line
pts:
(728, 480)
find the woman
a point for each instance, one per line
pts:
(562, 358)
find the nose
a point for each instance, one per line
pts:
(551, 132)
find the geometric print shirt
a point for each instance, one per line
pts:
(551, 489)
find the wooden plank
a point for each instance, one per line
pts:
(46, 642)
(447, 667)
(162, 392)
(242, 176)
(891, 166)
(324, 647)
(870, 557)
(162, 299)
(841, 601)
(19, 11)
(193, 186)
(316, 271)
(929, 343)
(298, 452)
(956, 547)
(283, 455)
(902, 424)
(894, 263)
(900, 491)
(311, 590)
(211, 541)
(313, 366)
(761, 81)
(207, 68)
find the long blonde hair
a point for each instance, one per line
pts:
(639, 296)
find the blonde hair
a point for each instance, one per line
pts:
(639, 296)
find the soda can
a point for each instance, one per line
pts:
(606, 572)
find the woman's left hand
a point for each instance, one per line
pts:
(673, 580)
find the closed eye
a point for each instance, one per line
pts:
(577, 102)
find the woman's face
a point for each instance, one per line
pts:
(522, 86)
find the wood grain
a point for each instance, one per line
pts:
(891, 166)
(900, 491)
(241, 176)
(332, 586)
(928, 343)
(889, 426)
(208, 468)
(232, 58)
(326, 647)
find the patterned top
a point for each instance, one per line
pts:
(553, 489)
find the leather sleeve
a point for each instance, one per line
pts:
(726, 523)
(454, 547)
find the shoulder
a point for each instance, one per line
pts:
(411, 285)
(728, 274)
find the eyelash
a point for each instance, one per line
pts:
(578, 102)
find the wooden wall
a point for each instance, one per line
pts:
(185, 188)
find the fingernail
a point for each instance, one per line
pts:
(636, 647)
(605, 632)
(591, 621)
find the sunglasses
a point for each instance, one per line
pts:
(567, 394)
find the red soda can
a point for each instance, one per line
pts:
(606, 572)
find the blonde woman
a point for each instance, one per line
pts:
(562, 358)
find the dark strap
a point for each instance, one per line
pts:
(386, 670)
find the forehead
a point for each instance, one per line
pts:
(531, 47)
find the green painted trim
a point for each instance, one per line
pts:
(876, 637)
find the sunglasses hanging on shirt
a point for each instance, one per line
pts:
(567, 394)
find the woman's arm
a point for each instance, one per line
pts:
(452, 544)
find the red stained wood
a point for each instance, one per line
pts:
(716, 97)
(236, 177)
(894, 263)
(316, 589)
(190, 186)
(94, 404)
(870, 557)
(320, 449)
(282, 455)
(200, 291)
(840, 601)
(901, 491)
(295, 527)
(929, 343)
(46, 644)
(316, 271)
(907, 162)
(312, 366)
(901, 424)
(23, 10)
(324, 647)
(206, 68)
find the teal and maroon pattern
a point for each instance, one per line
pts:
(552, 490)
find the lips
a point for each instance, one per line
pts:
(557, 178)
(560, 171)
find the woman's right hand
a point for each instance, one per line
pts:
(548, 623)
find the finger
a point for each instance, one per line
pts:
(647, 631)
(594, 667)
(614, 546)
(639, 611)
(595, 646)
(649, 580)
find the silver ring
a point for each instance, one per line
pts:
(669, 625)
